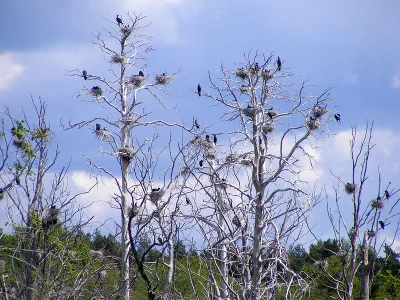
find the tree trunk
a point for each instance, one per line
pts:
(366, 270)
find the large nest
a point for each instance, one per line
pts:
(223, 184)
(129, 121)
(349, 188)
(231, 158)
(246, 162)
(103, 134)
(126, 153)
(118, 59)
(156, 213)
(271, 113)
(210, 155)
(137, 79)
(236, 221)
(244, 89)
(249, 111)
(242, 73)
(96, 91)
(267, 128)
(134, 211)
(371, 233)
(2, 195)
(207, 144)
(196, 140)
(185, 170)
(156, 195)
(313, 124)
(266, 75)
(377, 203)
(18, 142)
(126, 30)
(318, 111)
(163, 79)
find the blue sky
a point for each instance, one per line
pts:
(351, 46)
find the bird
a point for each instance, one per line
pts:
(188, 201)
(95, 87)
(196, 124)
(271, 113)
(279, 63)
(98, 127)
(1, 190)
(207, 137)
(141, 73)
(119, 21)
(159, 240)
(387, 195)
(256, 67)
(337, 117)
(199, 89)
(17, 180)
(215, 139)
(382, 225)
(164, 74)
(155, 189)
(84, 73)
(201, 163)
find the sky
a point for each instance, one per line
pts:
(351, 47)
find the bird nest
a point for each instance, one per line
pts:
(266, 75)
(244, 89)
(126, 30)
(185, 170)
(249, 112)
(96, 91)
(236, 221)
(208, 144)
(349, 188)
(134, 211)
(156, 213)
(242, 73)
(313, 124)
(210, 155)
(126, 153)
(222, 184)
(18, 142)
(163, 79)
(318, 111)
(129, 121)
(246, 162)
(103, 134)
(271, 113)
(137, 79)
(267, 128)
(156, 195)
(118, 59)
(371, 233)
(2, 195)
(231, 158)
(377, 203)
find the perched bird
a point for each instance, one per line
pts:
(98, 127)
(279, 63)
(196, 124)
(387, 195)
(84, 73)
(119, 21)
(382, 225)
(199, 89)
(141, 73)
(256, 67)
(1, 190)
(155, 190)
(271, 113)
(164, 74)
(337, 117)
(215, 139)
(201, 163)
(95, 87)
(159, 240)
(207, 137)
(18, 182)
(188, 201)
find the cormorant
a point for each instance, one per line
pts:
(199, 89)
(1, 190)
(17, 180)
(119, 21)
(207, 137)
(98, 127)
(141, 73)
(95, 87)
(215, 139)
(155, 190)
(337, 117)
(387, 195)
(271, 113)
(201, 163)
(187, 201)
(382, 225)
(279, 63)
(159, 240)
(164, 74)
(196, 124)
(84, 73)
(256, 68)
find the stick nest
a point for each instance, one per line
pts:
(129, 121)
(242, 73)
(207, 144)
(313, 124)
(136, 80)
(118, 59)
(126, 30)
(163, 79)
(126, 153)
(185, 170)
(246, 162)
(371, 233)
(377, 203)
(244, 89)
(134, 211)
(318, 111)
(17, 142)
(266, 75)
(349, 188)
(222, 184)
(267, 128)
(2, 195)
(155, 196)
(231, 158)
(97, 92)
(236, 221)
(103, 134)
(249, 112)
(211, 155)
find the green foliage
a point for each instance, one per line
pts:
(40, 133)
(387, 285)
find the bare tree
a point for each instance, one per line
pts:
(367, 220)
(255, 197)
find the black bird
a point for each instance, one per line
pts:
(199, 89)
(201, 163)
(53, 207)
(215, 139)
(17, 180)
(141, 73)
(164, 74)
(95, 87)
(84, 73)
(98, 127)
(159, 240)
(155, 190)
(387, 195)
(1, 190)
(207, 138)
(196, 124)
(337, 117)
(279, 63)
(187, 201)
(382, 225)
(119, 21)
(256, 67)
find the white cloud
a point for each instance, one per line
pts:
(9, 70)
(396, 81)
